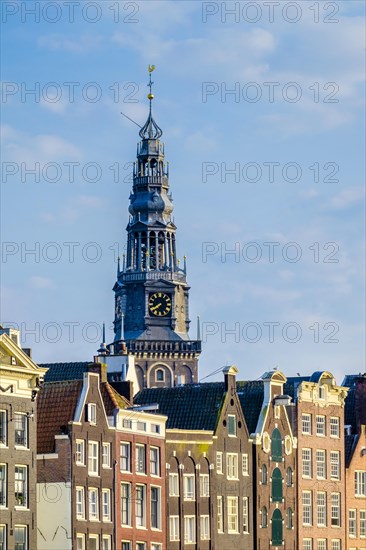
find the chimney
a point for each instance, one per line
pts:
(99, 368)
(230, 373)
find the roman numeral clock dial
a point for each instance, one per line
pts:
(160, 304)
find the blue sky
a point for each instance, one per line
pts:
(299, 315)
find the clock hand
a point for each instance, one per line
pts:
(155, 307)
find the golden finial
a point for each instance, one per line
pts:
(150, 95)
(151, 68)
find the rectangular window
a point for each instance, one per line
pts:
(140, 506)
(92, 413)
(334, 426)
(174, 527)
(93, 449)
(3, 485)
(335, 467)
(232, 515)
(173, 485)
(320, 425)
(21, 486)
(360, 484)
(307, 544)
(80, 503)
(3, 428)
(306, 424)
(155, 428)
(204, 485)
(363, 524)
(352, 523)
(205, 527)
(21, 429)
(126, 545)
(140, 545)
(220, 515)
(141, 426)
(93, 504)
(232, 466)
(155, 508)
(20, 537)
(307, 511)
(127, 423)
(245, 465)
(321, 465)
(80, 542)
(106, 542)
(125, 456)
(156, 546)
(245, 515)
(141, 459)
(80, 452)
(154, 461)
(126, 503)
(189, 529)
(188, 487)
(106, 504)
(336, 544)
(231, 424)
(306, 463)
(219, 469)
(93, 542)
(106, 455)
(336, 509)
(321, 544)
(3, 537)
(321, 504)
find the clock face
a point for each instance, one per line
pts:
(160, 304)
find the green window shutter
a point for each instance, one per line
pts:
(276, 445)
(277, 539)
(276, 485)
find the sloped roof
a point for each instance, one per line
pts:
(350, 442)
(65, 371)
(251, 396)
(112, 399)
(56, 404)
(189, 407)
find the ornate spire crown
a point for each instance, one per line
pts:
(150, 129)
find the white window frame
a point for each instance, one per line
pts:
(154, 461)
(334, 427)
(3, 536)
(321, 544)
(106, 455)
(80, 537)
(335, 509)
(336, 544)
(307, 544)
(321, 508)
(4, 486)
(320, 426)
(232, 514)
(125, 543)
(307, 508)
(92, 413)
(24, 530)
(321, 463)
(306, 458)
(125, 458)
(140, 459)
(362, 524)
(93, 458)
(352, 523)
(245, 515)
(205, 527)
(335, 465)
(106, 539)
(140, 519)
(24, 430)
(158, 515)
(4, 428)
(80, 502)
(127, 499)
(21, 482)
(173, 485)
(360, 483)
(232, 466)
(306, 422)
(189, 492)
(94, 537)
(219, 462)
(174, 528)
(93, 500)
(80, 452)
(245, 464)
(189, 529)
(204, 485)
(106, 505)
(220, 515)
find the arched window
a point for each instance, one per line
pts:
(276, 485)
(264, 475)
(289, 523)
(277, 537)
(264, 517)
(289, 477)
(276, 445)
(160, 375)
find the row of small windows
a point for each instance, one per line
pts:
(93, 542)
(146, 460)
(20, 534)
(321, 544)
(322, 501)
(94, 504)
(189, 490)
(264, 475)
(20, 486)
(357, 528)
(127, 545)
(232, 464)
(321, 428)
(93, 458)
(133, 506)
(20, 429)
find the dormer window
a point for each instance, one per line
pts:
(322, 392)
(92, 413)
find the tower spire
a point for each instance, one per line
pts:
(150, 129)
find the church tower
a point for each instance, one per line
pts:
(151, 291)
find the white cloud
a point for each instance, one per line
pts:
(40, 282)
(348, 197)
(59, 42)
